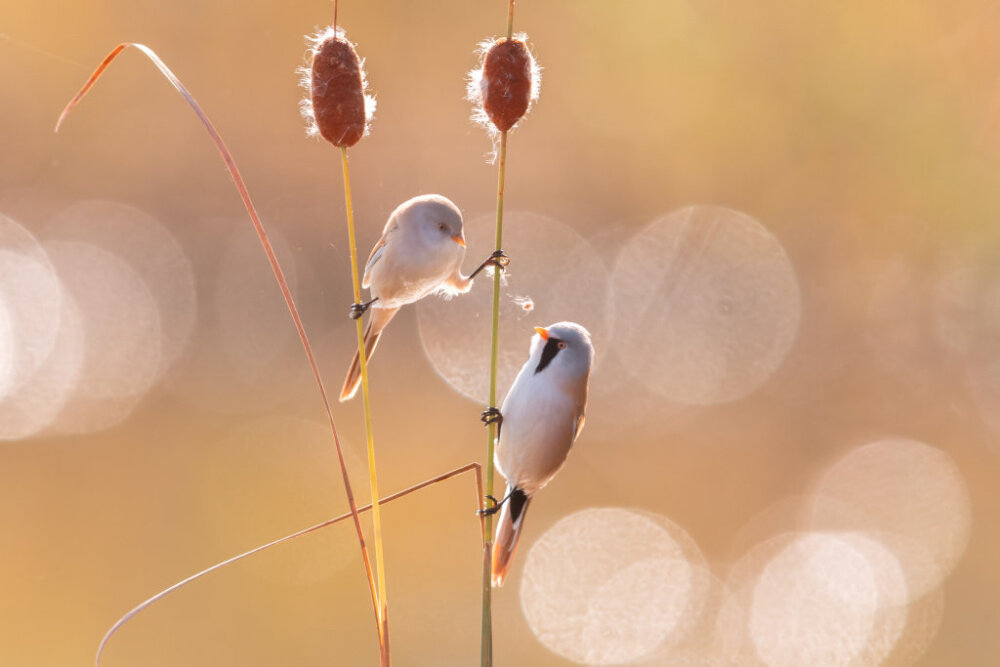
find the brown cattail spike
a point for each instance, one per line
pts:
(506, 83)
(338, 92)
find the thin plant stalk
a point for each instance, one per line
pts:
(487, 630)
(486, 648)
(271, 257)
(382, 604)
(473, 467)
(495, 340)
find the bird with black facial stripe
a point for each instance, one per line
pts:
(542, 415)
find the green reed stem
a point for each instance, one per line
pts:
(487, 642)
(382, 602)
(486, 652)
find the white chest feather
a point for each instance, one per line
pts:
(401, 276)
(539, 425)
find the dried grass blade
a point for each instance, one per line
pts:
(475, 467)
(271, 257)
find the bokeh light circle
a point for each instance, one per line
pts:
(37, 403)
(121, 334)
(893, 593)
(248, 356)
(814, 604)
(554, 275)
(607, 586)
(39, 360)
(816, 598)
(695, 644)
(150, 249)
(7, 349)
(710, 305)
(32, 293)
(910, 493)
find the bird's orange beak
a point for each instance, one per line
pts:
(459, 239)
(543, 332)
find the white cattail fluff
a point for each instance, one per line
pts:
(339, 86)
(505, 86)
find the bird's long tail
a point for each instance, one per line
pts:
(508, 533)
(380, 317)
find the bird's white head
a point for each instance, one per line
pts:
(432, 220)
(562, 350)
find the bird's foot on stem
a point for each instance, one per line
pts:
(358, 309)
(498, 259)
(491, 415)
(492, 509)
(497, 504)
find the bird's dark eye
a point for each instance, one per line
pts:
(561, 345)
(443, 227)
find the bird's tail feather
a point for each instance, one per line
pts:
(379, 318)
(508, 533)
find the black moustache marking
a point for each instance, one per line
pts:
(517, 500)
(549, 353)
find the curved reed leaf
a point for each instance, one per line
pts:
(271, 257)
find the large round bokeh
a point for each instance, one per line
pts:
(709, 305)
(554, 276)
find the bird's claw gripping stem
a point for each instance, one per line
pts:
(498, 259)
(493, 509)
(358, 309)
(491, 415)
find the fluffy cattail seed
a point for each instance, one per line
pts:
(337, 107)
(506, 84)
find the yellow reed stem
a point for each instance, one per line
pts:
(383, 620)
(486, 653)
(486, 647)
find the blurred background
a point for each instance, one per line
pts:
(778, 222)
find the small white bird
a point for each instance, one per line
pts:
(541, 417)
(420, 253)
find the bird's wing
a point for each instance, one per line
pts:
(372, 260)
(578, 424)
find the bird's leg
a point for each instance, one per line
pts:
(498, 259)
(496, 505)
(491, 415)
(358, 309)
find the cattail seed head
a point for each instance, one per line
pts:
(337, 107)
(506, 84)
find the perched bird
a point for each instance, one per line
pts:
(420, 253)
(540, 418)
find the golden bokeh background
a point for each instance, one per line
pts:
(829, 307)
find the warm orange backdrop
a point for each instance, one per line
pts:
(864, 136)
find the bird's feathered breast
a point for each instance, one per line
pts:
(539, 425)
(405, 266)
